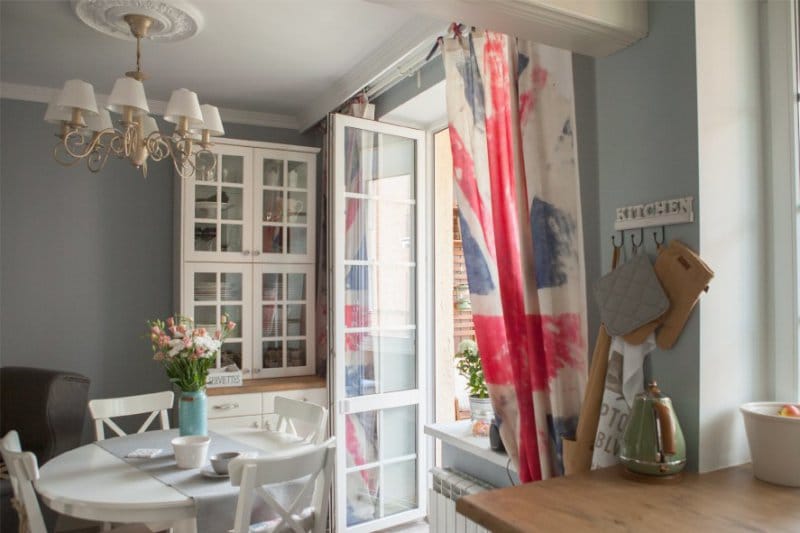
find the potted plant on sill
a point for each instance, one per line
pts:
(187, 353)
(468, 364)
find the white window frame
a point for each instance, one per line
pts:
(781, 157)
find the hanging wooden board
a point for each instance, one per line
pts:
(661, 213)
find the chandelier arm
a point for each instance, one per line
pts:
(59, 152)
(99, 157)
(158, 146)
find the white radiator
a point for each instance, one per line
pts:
(448, 486)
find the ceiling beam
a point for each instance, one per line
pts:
(35, 93)
(387, 56)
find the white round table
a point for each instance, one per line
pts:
(91, 483)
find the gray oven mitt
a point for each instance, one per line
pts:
(630, 296)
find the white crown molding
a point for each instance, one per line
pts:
(403, 42)
(35, 93)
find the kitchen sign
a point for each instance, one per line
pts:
(661, 213)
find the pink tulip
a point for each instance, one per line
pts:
(170, 322)
(187, 341)
(182, 329)
(200, 331)
(173, 330)
(218, 334)
(199, 350)
(155, 330)
(153, 337)
(230, 325)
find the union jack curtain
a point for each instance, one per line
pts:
(512, 131)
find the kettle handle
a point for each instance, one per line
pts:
(666, 429)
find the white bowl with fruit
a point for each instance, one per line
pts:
(773, 432)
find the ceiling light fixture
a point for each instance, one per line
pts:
(88, 133)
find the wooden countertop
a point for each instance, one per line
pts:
(271, 385)
(603, 500)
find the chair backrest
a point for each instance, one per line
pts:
(155, 403)
(304, 419)
(23, 470)
(252, 474)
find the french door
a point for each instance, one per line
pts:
(378, 321)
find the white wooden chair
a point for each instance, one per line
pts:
(23, 470)
(302, 419)
(312, 468)
(104, 410)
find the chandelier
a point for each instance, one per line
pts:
(88, 133)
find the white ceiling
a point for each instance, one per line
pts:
(269, 56)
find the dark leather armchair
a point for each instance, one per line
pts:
(47, 408)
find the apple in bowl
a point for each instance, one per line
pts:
(790, 410)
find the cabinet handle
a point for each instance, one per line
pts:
(226, 406)
(257, 371)
(255, 425)
(245, 371)
(256, 252)
(245, 252)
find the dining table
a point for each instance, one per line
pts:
(98, 482)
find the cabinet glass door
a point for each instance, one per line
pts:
(284, 320)
(379, 323)
(216, 289)
(284, 206)
(219, 208)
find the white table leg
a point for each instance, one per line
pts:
(188, 525)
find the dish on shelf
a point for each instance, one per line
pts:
(207, 471)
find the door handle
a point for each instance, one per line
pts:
(227, 406)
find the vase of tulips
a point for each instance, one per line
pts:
(187, 353)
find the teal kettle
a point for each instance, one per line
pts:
(653, 442)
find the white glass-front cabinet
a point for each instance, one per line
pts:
(247, 250)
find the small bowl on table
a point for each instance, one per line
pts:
(191, 451)
(220, 462)
(774, 441)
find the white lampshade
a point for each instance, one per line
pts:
(211, 120)
(184, 103)
(56, 114)
(149, 125)
(128, 92)
(78, 94)
(99, 122)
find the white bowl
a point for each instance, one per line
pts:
(190, 451)
(774, 442)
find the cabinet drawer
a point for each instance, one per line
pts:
(317, 396)
(251, 422)
(234, 405)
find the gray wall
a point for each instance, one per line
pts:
(647, 150)
(86, 259)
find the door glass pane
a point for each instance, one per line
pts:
(205, 316)
(296, 353)
(362, 430)
(272, 241)
(230, 286)
(391, 175)
(205, 286)
(232, 168)
(399, 487)
(205, 161)
(205, 237)
(205, 202)
(380, 362)
(297, 177)
(272, 321)
(273, 173)
(273, 206)
(362, 496)
(234, 312)
(231, 203)
(296, 208)
(272, 354)
(231, 237)
(296, 287)
(231, 354)
(297, 240)
(272, 287)
(399, 432)
(295, 320)
(380, 296)
(380, 231)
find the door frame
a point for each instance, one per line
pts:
(341, 405)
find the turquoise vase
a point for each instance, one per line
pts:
(193, 413)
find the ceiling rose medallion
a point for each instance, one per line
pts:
(172, 21)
